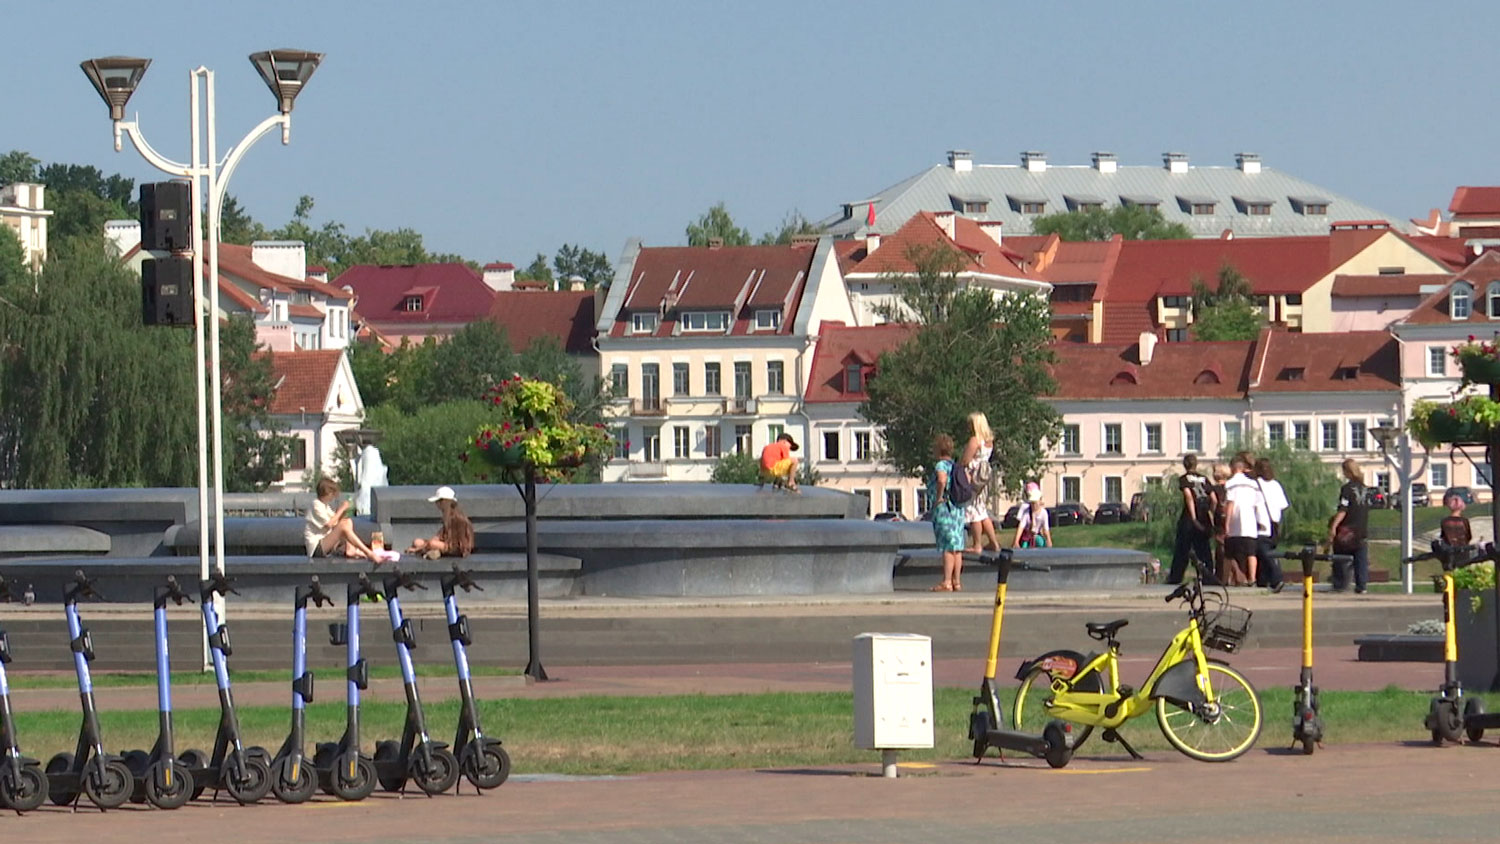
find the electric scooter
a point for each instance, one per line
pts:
(294, 778)
(1307, 721)
(416, 756)
(987, 721)
(161, 778)
(1451, 715)
(481, 758)
(342, 770)
(243, 772)
(23, 785)
(89, 771)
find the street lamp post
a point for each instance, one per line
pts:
(1387, 437)
(286, 73)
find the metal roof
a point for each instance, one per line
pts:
(1007, 186)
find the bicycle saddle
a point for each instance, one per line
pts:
(1105, 629)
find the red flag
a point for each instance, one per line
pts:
(870, 217)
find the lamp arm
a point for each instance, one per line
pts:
(237, 152)
(154, 158)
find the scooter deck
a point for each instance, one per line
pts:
(1013, 740)
(1483, 721)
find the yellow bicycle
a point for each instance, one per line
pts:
(1205, 709)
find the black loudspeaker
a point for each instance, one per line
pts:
(166, 217)
(167, 291)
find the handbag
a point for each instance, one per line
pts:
(1345, 541)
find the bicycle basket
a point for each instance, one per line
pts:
(1225, 630)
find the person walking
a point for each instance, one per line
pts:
(1194, 523)
(1244, 513)
(1220, 476)
(947, 517)
(976, 457)
(1349, 529)
(1274, 498)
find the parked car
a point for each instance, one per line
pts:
(1012, 519)
(1376, 499)
(1139, 511)
(1419, 495)
(1111, 512)
(888, 517)
(1464, 493)
(1068, 514)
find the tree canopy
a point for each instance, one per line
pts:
(716, 223)
(969, 351)
(1228, 310)
(1133, 222)
(792, 225)
(593, 267)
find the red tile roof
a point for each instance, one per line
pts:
(1176, 371)
(723, 278)
(500, 265)
(981, 254)
(237, 260)
(565, 315)
(1274, 265)
(1350, 361)
(1450, 251)
(303, 379)
(457, 293)
(1435, 310)
(1353, 286)
(838, 345)
(848, 253)
(1477, 201)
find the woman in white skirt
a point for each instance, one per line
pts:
(976, 457)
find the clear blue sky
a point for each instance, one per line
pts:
(500, 129)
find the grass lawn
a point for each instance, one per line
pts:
(616, 735)
(197, 678)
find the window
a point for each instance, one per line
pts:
(742, 439)
(1383, 482)
(1437, 360)
(651, 386)
(298, 456)
(1357, 435)
(711, 379)
(775, 377)
(1275, 433)
(1192, 437)
(682, 442)
(680, 379)
(411, 304)
(1438, 473)
(1114, 489)
(1492, 299)
(643, 323)
(1177, 335)
(830, 445)
(621, 435)
(865, 494)
(975, 207)
(894, 501)
(1113, 439)
(1458, 301)
(767, 320)
(922, 500)
(619, 379)
(1314, 209)
(1070, 439)
(1155, 482)
(1153, 437)
(1232, 433)
(651, 443)
(1258, 209)
(1071, 487)
(1033, 208)
(705, 321)
(1330, 436)
(1482, 475)
(863, 449)
(713, 441)
(1174, 301)
(1201, 209)
(854, 378)
(742, 379)
(1294, 298)
(1302, 434)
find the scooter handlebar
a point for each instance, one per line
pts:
(83, 587)
(316, 594)
(173, 590)
(464, 579)
(218, 583)
(1304, 554)
(5, 594)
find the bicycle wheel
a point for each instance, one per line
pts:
(1219, 731)
(1028, 714)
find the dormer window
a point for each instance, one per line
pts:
(643, 323)
(854, 378)
(705, 321)
(767, 320)
(1207, 376)
(1028, 204)
(973, 207)
(412, 304)
(1294, 373)
(1347, 373)
(1460, 302)
(1202, 209)
(1492, 298)
(1123, 378)
(1309, 206)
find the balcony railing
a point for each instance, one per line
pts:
(739, 406)
(646, 471)
(647, 407)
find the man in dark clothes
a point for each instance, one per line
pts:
(1194, 524)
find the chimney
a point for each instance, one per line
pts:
(1105, 162)
(500, 276)
(576, 283)
(944, 219)
(123, 235)
(317, 273)
(1248, 162)
(872, 242)
(1176, 162)
(992, 228)
(1146, 346)
(1034, 162)
(715, 243)
(961, 160)
(282, 257)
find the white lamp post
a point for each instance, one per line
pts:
(1387, 437)
(286, 73)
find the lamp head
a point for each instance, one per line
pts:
(286, 73)
(115, 78)
(1385, 435)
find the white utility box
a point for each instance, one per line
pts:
(892, 691)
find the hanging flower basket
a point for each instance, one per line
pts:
(1479, 360)
(1470, 419)
(534, 433)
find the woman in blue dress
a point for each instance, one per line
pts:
(947, 518)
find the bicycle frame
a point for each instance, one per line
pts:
(1110, 708)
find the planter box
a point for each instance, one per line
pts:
(1450, 429)
(1478, 652)
(1480, 369)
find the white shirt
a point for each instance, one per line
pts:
(1274, 498)
(1249, 507)
(1023, 519)
(319, 523)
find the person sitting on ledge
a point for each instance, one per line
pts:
(455, 538)
(777, 465)
(328, 530)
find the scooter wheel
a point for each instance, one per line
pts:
(258, 752)
(250, 787)
(24, 793)
(57, 768)
(1058, 752)
(168, 784)
(1473, 708)
(196, 760)
(1450, 722)
(356, 786)
(387, 753)
(979, 728)
(1309, 744)
(438, 775)
(293, 783)
(109, 788)
(485, 764)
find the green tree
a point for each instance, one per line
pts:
(546, 360)
(537, 270)
(1133, 222)
(236, 226)
(13, 269)
(423, 447)
(333, 247)
(1226, 311)
(374, 372)
(255, 450)
(82, 198)
(474, 359)
(792, 224)
(969, 351)
(593, 267)
(716, 223)
(17, 166)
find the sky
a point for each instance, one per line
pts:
(503, 129)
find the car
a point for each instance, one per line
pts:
(1419, 496)
(1464, 494)
(1068, 514)
(888, 517)
(1376, 499)
(1012, 518)
(1139, 510)
(1111, 512)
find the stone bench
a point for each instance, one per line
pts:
(621, 501)
(252, 536)
(51, 541)
(1071, 569)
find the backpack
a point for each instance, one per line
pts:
(983, 473)
(960, 487)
